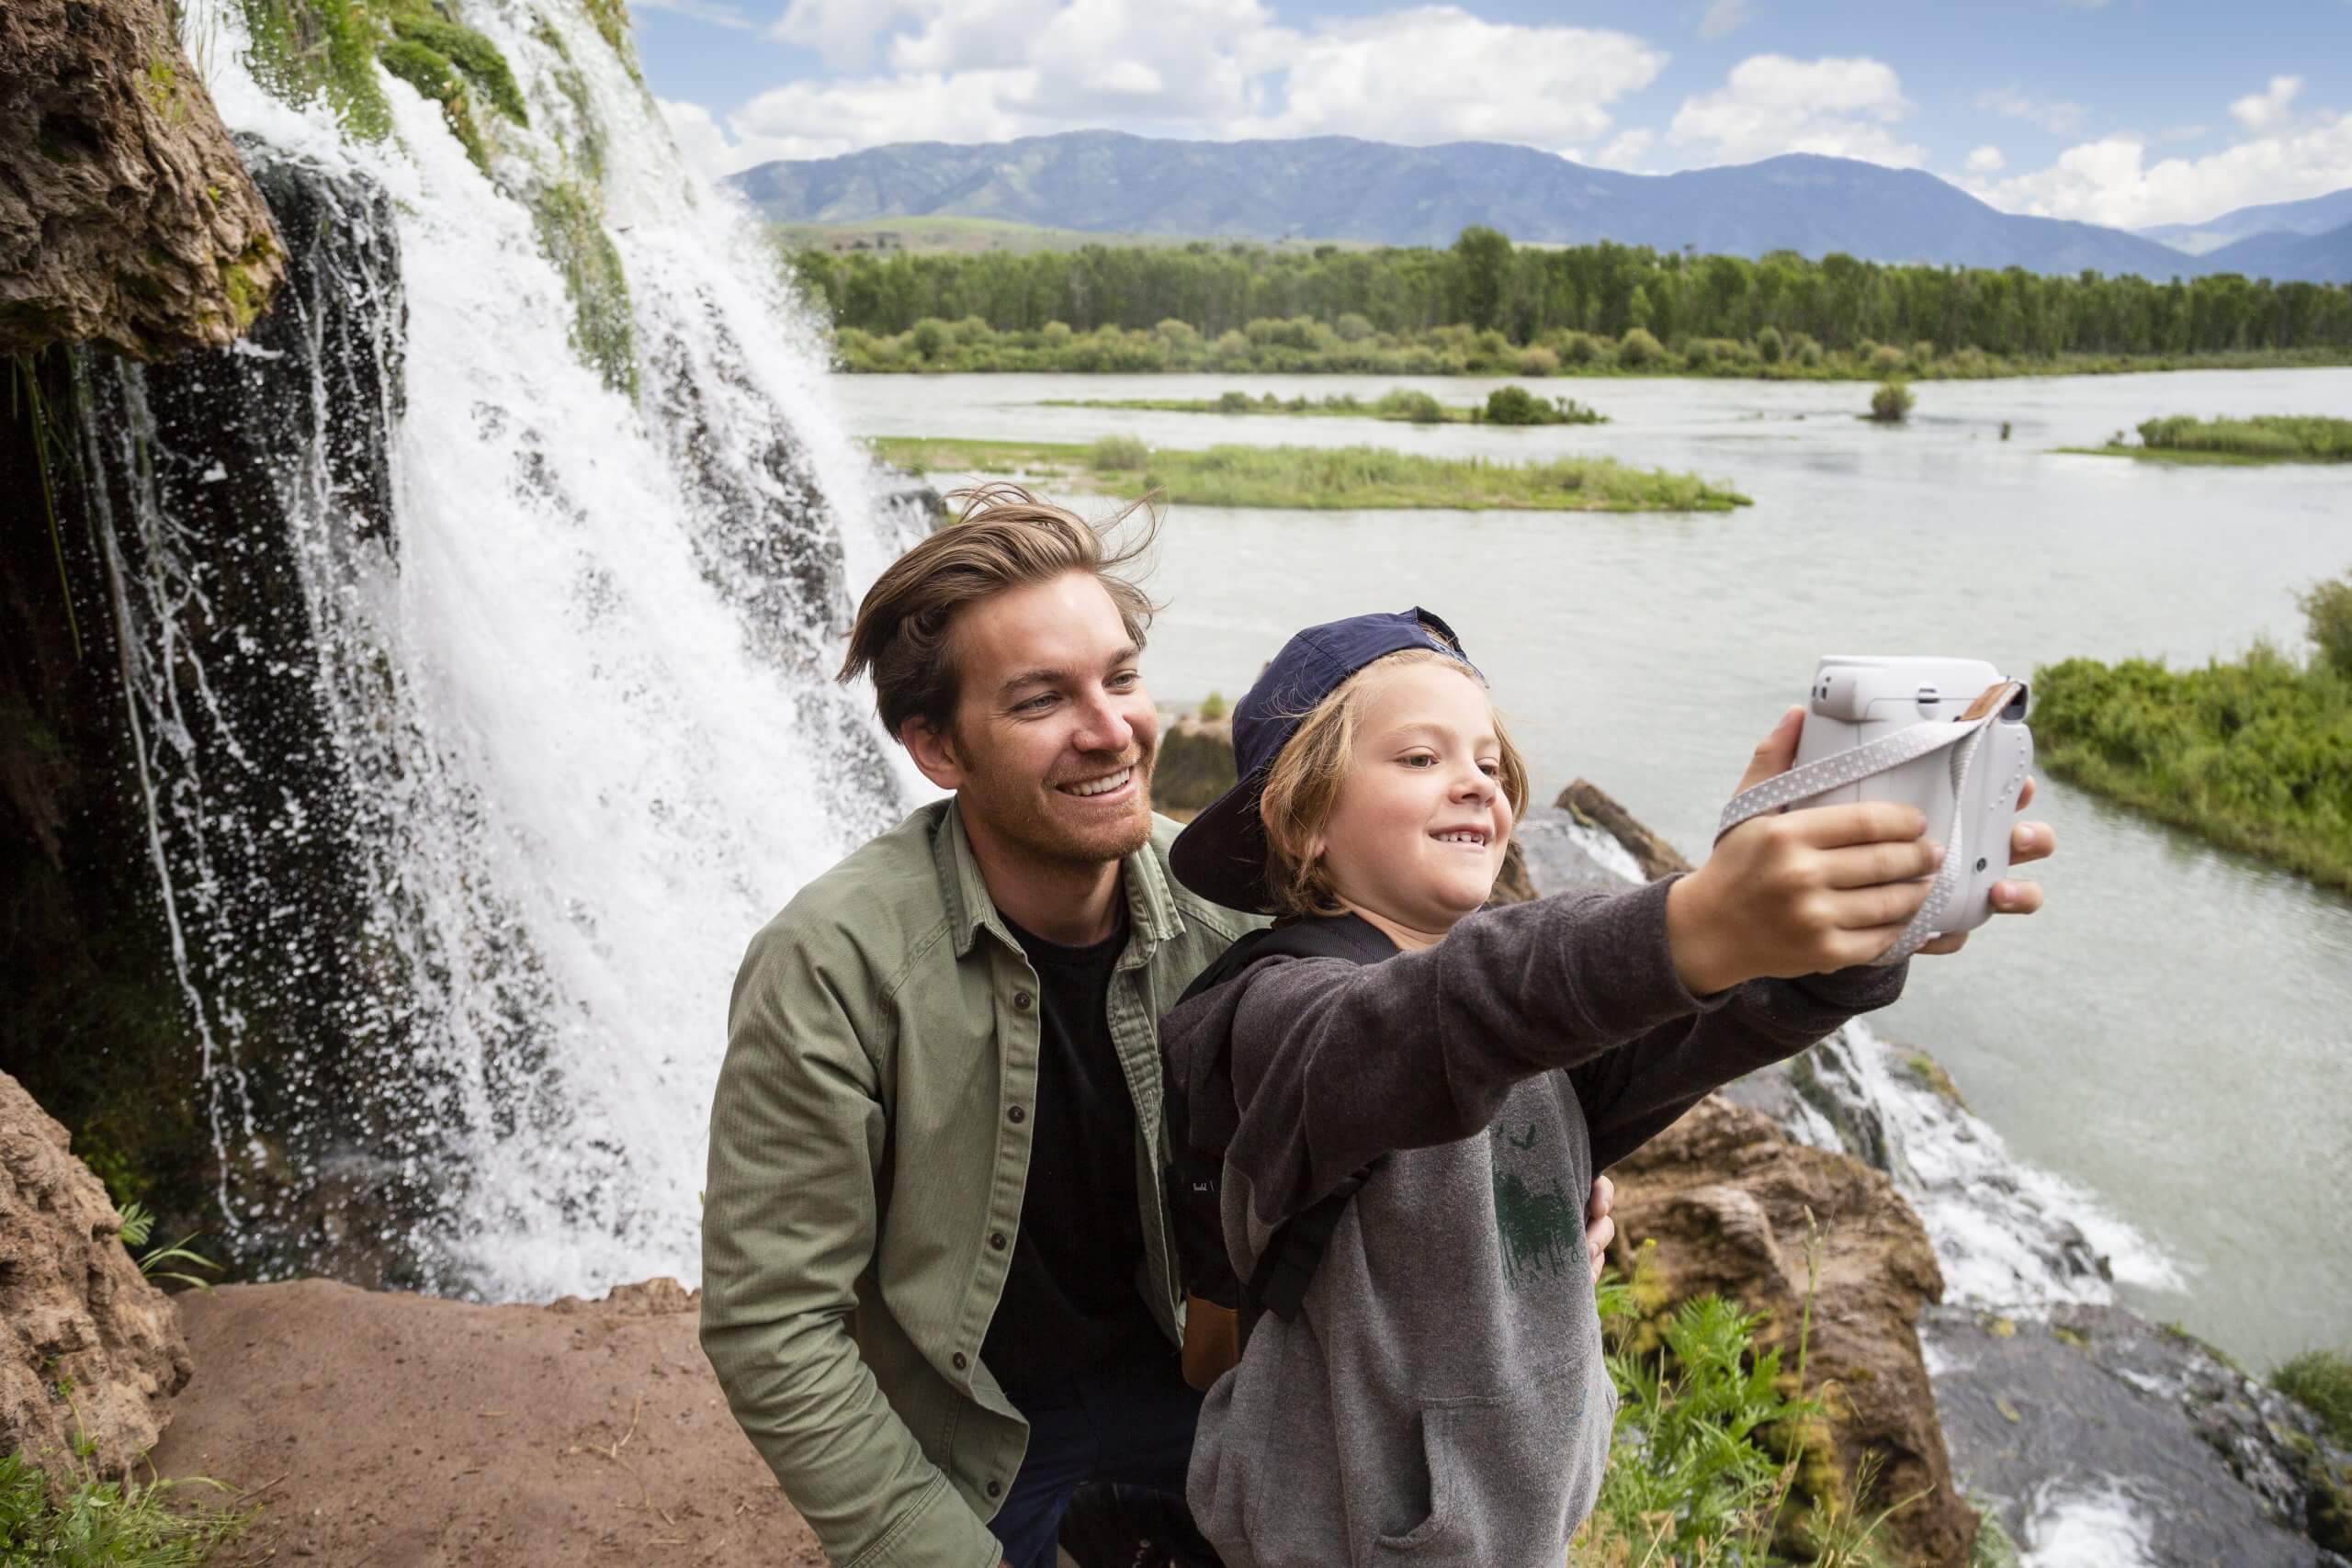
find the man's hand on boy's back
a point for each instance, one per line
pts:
(1808, 892)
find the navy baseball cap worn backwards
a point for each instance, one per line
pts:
(1221, 853)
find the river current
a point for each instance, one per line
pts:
(2173, 1034)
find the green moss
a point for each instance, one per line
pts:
(2321, 1381)
(610, 17)
(1928, 1073)
(424, 69)
(603, 330)
(246, 298)
(475, 57)
(304, 49)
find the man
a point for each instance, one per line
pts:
(939, 1286)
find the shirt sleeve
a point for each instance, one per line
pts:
(1336, 1063)
(1637, 1090)
(789, 1223)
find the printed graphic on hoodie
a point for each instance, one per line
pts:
(1541, 1233)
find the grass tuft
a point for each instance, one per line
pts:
(2321, 1381)
(87, 1522)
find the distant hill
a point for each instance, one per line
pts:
(2317, 216)
(1342, 188)
(2289, 258)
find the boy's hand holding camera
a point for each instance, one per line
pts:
(1819, 889)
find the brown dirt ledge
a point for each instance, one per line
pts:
(382, 1430)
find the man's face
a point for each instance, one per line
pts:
(1055, 736)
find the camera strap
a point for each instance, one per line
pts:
(1960, 738)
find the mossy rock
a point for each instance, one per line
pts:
(424, 69)
(604, 328)
(305, 50)
(473, 56)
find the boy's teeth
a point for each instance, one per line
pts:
(1101, 786)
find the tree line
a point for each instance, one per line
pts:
(1533, 294)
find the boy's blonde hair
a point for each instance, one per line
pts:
(1303, 785)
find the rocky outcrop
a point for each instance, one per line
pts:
(1196, 764)
(126, 217)
(1735, 1209)
(90, 1352)
(2093, 1411)
(1590, 804)
(402, 1431)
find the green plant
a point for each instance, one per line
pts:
(2327, 615)
(138, 1225)
(1890, 404)
(1117, 454)
(2321, 1381)
(93, 1523)
(1637, 348)
(1234, 402)
(475, 57)
(1420, 408)
(1212, 706)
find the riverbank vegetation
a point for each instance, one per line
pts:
(95, 1523)
(2264, 438)
(1890, 404)
(1351, 477)
(2321, 1381)
(1504, 405)
(1484, 306)
(2254, 754)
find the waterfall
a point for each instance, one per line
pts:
(476, 615)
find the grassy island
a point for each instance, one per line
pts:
(1505, 405)
(2256, 754)
(2265, 438)
(1322, 478)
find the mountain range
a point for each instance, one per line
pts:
(1338, 188)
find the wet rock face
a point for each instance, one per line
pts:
(126, 218)
(1728, 1201)
(2096, 1410)
(89, 1350)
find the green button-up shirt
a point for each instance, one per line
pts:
(869, 1145)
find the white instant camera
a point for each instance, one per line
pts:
(1858, 700)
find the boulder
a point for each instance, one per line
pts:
(126, 217)
(1732, 1207)
(1588, 804)
(90, 1353)
(1196, 764)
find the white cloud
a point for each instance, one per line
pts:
(1771, 104)
(1437, 73)
(2110, 180)
(1985, 160)
(969, 71)
(1722, 19)
(2060, 117)
(2260, 111)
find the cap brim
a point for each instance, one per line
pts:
(1221, 853)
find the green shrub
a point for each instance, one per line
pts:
(1538, 362)
(1416, 406)
(1804, 351)
(1885, 359)
(2321, 1381)
(930, 337)
(1890, 404)
(106, 1524)
(1580, 348)
(1234, 402)
(1212, 706)
(1923, 352)
(2327, 613)
(1638, 349)
(1770, 346)
(1117, 454)
(1516, 405)
(2277, 436)
(1351, 327)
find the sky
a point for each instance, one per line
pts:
(2123, 112)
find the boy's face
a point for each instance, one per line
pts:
(1419, 833)
(1055, 734)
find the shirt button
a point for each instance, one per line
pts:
(996, 1488)
(1020, 1000)
(996, 1239)
(960, 1359)
(1016, 1116)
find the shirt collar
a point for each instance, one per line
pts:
(1151, 906)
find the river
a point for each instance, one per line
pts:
(2174, 1033)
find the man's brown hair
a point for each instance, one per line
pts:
(1004, 537)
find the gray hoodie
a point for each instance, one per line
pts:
(1443, 1396)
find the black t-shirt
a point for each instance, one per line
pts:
(1073, 1298)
